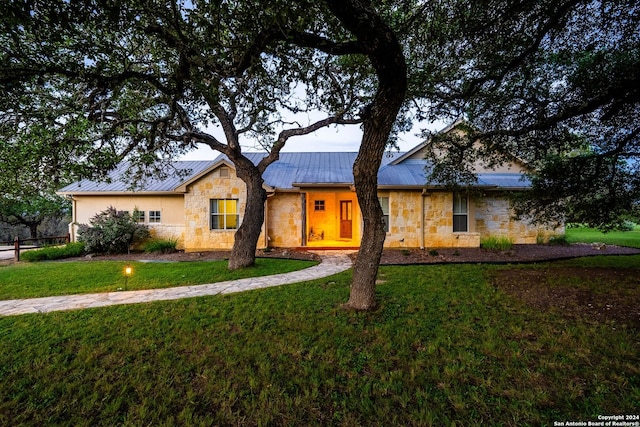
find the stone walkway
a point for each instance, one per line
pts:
(333, 262)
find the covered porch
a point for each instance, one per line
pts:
(331, 219)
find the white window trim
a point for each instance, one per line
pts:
(466, 213)
(223, 215)
(150, 222)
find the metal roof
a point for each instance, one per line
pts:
(292, 170)
(503, 180)
(117, 180)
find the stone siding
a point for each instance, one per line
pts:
(284, 221)
(404, 219)
(439, 223)
(493, 217)
(197, 200)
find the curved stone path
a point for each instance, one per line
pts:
(333, 262)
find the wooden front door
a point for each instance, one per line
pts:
(346, 230)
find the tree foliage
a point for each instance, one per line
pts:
(31, 173)
(554, 84)
(148, 80)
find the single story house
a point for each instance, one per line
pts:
(312, 203)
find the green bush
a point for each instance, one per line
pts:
(112, 231)
(69, 250)
(165, 246)
(558, 240)
(627, 225)
(494, 243)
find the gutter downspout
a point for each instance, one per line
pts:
(74, 217)
(266, 218)
(423, 195)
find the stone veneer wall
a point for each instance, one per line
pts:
(284, 223)
(198, 235)
(439, 223)
(489, 216)
(404, 219)
(405, 224)
(493, 218)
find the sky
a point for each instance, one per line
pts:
(340, 138)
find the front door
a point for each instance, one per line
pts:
(346, 231)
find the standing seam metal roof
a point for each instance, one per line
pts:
(292, 168)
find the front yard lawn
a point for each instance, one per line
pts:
(448, 345)
(590, 235)
(31, 280)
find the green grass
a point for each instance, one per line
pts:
(63, 278)
(444, 348)
(590, 235)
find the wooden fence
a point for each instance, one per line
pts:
(21, 244)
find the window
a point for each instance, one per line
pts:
(154, 217)
(224, 214)
(138, 216)
(318, 205)
(224, 172)
(384, 204)
(460, 213)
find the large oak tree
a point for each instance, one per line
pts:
(146, 80)
(553, 83)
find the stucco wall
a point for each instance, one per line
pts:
(171, 212)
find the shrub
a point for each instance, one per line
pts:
(558, 240)
(433, 252)
(69, 250)
(165, 246)
(496, 243)
(112, 231)
(627, 225)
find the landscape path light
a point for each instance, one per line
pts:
(128, 271)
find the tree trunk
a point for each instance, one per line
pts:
(365, 269)
(385, 53)
(33, 230)
(246, 238)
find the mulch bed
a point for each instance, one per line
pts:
(200, 256)
(517, 254)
